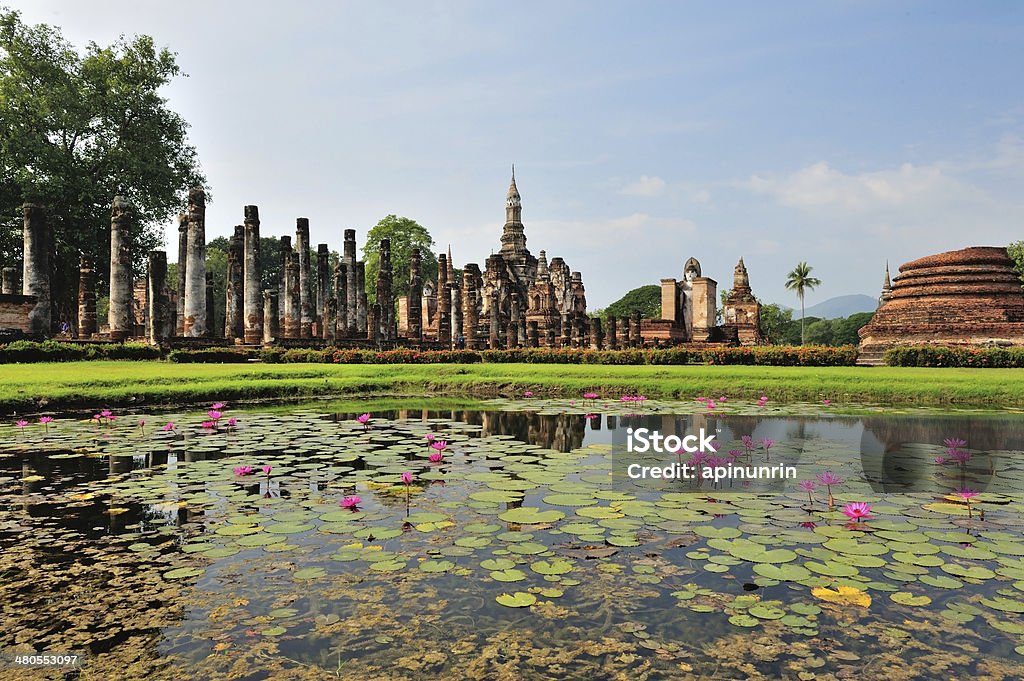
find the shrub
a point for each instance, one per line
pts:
(946, 356)
(132, 351)
(24, 351)
(210, 356)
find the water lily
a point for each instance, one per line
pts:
(528, 393)
(214, 415)
(106, 413)
(232, 422)
(857, 511)
(767, 443)
(21, 424)
(209, 425)
(827, 402)
(808, 524)
(590, 396)
(590, 417)
(168, 427)
(940, 460)
(46, 420)
(218, 406)
(966, 495)
(954, 442)
(809, 487)
(430, 437)
(243, 470)
(828, 478)
(351, 502)
(435, 457)
(748, 443)
(439, 445)
(365, 420)
(406, 478)
(267, 468)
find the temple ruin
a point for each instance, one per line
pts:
(970, 297)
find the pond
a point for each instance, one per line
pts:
(286, 542)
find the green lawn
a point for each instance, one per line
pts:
(88, 385)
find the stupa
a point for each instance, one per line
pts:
(968, 297)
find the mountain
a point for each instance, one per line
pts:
(841, 306)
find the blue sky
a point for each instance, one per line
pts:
(840, 133)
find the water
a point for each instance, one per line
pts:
(518, 556)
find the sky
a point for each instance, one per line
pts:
(844, 134)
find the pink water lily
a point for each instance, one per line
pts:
(528, 393)
(106, 413)
(966, 495)
(214, 415)
(243, 470)
(218, 405)
(857, 511)
(436, 457)
(954, 442)
(46, 420)
(827, 402)
(168, 427)
(232, 422)
(590, 396)
(767, 443)
(430, 437)
(809, 487)
(21, 424)
(208, 425)
(406, 478)
(350, 502)
(828, 478)
(365, 420)
(439, 445)
(267, 468)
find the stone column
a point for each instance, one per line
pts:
(455, 305)
(329, 320)
(86, 297)
(35, 280)
(271, 317)
(234, 284)
(305, 301)
(323, 287)
(470, 314)
(351, 290)
(494, 337)
(341, 298)
(120, 317)
(195, 268)
(282, 287)
(613, 340)
(444, 304)
(385, 295)
(414, 323)
(533, 334)
(637, 339)
(211, 329)
(566, 330)
(361, 309)
(252, 276)
(596, 334)
(514, 324)
(10, 281)
(373, 324)
(293, 302)
(159, 322)
(179, 285)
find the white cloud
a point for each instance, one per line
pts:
(821, 186)
(645, 186)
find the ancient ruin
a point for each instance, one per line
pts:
(194, 324)
(120, 317)
(968, 297)
(252, 298)
(689, 312)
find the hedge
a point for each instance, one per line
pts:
(945, 356)
(23, 351)
(211, 355)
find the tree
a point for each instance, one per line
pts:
(801, 281)
(405, 234)
(774, 322)
(1016, 251)
(845, 329)
(76, 130)
(644, 299)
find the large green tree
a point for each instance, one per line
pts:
(1016, 251)
(775, 322)
(644, 299)
(405, 234)
(77, 129)
(801, 281)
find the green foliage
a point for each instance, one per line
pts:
(23, 352)
(210, 355)
(77, 130)
(774, 322)
(1016, 251)
(845, 329)
(645, 299)
(940, 356)
(217, 268)
(801, 281)
(405, 234)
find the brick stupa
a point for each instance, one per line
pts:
(968, 297)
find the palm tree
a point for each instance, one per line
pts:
(800, 280)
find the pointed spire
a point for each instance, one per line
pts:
(451, 266)
(888, 283)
